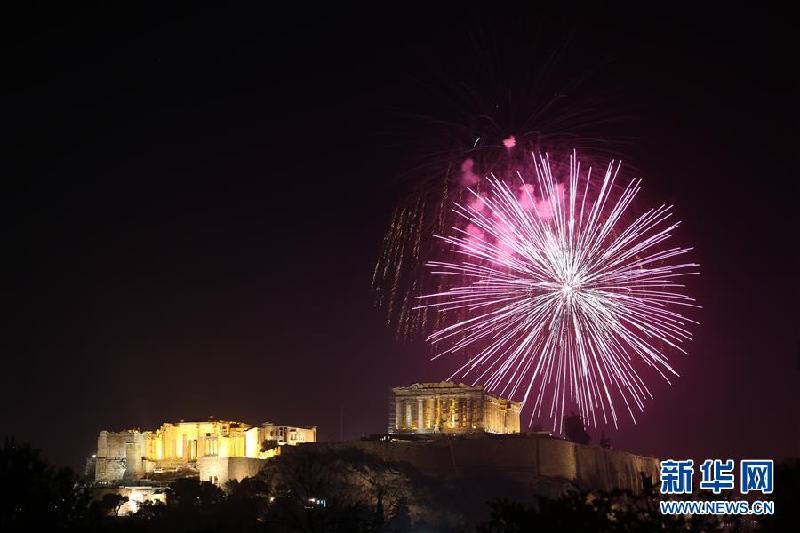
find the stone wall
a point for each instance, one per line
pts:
(130, 455)
(220, 470)
(119, 456)
(524, 459)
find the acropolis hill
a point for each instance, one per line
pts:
(445, 431)
(486, 440)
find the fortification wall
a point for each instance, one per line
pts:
(109, 470)
(220, 470)
(119, 456)
(525, 459)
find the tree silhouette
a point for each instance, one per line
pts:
(269, 444)
(575, 430)
(335, 490)
(34, 496)
(786, 495)
(109, 504)
(191, 492)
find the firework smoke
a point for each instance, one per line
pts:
(557, 295)
(480, 115)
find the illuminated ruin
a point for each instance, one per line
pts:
(215, 450)
(445, 407)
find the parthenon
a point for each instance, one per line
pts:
(445, 407)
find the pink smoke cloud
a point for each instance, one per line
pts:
(468, 176)
(544, 206)
(526, 197)
(475, 237)
(474, 231)
(477, 203)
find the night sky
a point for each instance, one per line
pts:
(193, 204)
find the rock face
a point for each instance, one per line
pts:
(529, 460)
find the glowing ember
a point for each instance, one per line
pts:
(561, 297)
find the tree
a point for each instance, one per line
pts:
(786, 495)
(570, 513)
(268, 444)
(109, 504)
(191, 492)
(618, 510)
(246, 502)
(35, 496)
(343, 489)
(575, 430)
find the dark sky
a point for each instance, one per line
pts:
(193, 204)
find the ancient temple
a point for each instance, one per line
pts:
(222, 448)
(445, 407)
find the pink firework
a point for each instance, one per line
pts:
(559, 297)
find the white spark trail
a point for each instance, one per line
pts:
(557, 299)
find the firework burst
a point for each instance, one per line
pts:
(558, 296)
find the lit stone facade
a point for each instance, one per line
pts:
(290, 435)
(176, 449)
(137, 496)
(220, 470)
(430, 408)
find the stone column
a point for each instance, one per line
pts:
(430, 408)
(398, 413)
(420, 414)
